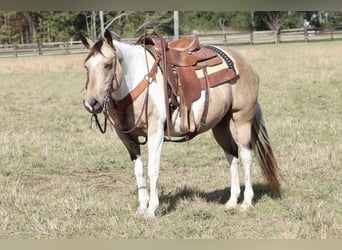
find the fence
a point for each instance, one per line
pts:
(255, 37)
(264, 37)
(37, 49)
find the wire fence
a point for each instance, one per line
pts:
(224, 38)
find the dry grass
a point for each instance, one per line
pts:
(60, 179)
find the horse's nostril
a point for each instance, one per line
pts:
(92, 105)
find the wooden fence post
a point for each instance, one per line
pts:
(40, 49)
(15, 50)
(277, 36)
(306, 35)
(225, 39)
(66, 45)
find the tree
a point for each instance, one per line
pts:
(335, 18)
(48, 26)
(7, 30)
(118, 21)
(155, 20)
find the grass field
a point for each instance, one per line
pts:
(61, 179)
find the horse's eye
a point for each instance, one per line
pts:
(108, 65)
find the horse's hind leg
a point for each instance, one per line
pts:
(225, 139)
(244, 140)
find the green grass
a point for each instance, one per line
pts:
(61, 179)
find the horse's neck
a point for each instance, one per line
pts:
(133, 67)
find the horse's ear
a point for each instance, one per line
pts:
(108, 38)
(86, 42)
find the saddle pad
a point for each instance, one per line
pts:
(217, 74)
(221, 73)
(226, 57)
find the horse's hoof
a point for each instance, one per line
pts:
(145, 213)
(149, 214)
(231, 207)
(141, 211)
(245, 206)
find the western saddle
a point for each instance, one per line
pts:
(180, 62)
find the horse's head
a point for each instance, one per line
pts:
(104, 72)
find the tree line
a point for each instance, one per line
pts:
(49, 26)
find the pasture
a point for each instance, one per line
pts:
(60, 179)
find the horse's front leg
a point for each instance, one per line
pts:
(134, 150)
(142, 188)
(155, 145)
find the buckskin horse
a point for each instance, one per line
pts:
(175, 90)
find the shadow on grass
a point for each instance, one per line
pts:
(169, 201)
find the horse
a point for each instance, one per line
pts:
(115, 70)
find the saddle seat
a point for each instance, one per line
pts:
(184, 44)
(187, 52)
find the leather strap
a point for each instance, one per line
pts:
(121, 105)
(133, 95)
(206, 101)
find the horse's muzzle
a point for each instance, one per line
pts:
(93, 106)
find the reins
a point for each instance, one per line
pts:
(105, 110)
(102, 130)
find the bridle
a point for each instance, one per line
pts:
(121, 105)
(107, 98)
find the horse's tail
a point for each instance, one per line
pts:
(264, 153)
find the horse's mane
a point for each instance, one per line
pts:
(95, 49)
